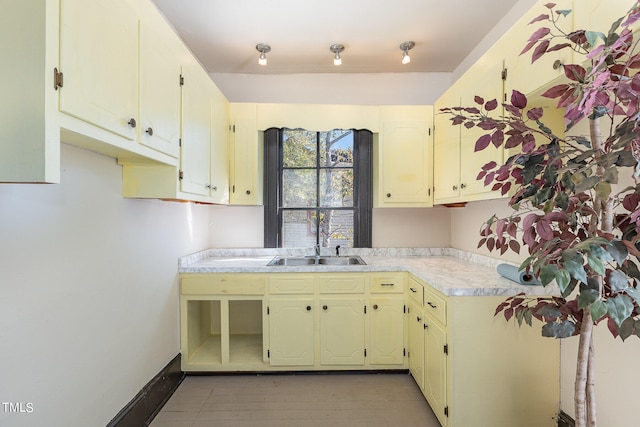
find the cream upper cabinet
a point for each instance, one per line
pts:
(446, 150)
(484, 80)
(99, 59)
(219, 187)
(160, 69)
(598, 15)
(405, 150)
(195, 158)
(246, 156)
(522, 75)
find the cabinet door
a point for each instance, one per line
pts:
(291, 331)
(522, 75)
(99, 59)
(416, 343)
(342, 331)
(159, 86)
(484, 80)
(245, 164)
(435, 367)
(220, 149)
(386, 330)
(598, 15)
(406, 171)
(446, 150)
(196, 130)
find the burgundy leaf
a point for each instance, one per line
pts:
(558, 47)
(469, 124)
(512, 229)
(556, 216)
(481, 175)
(529, 143)
(482, 143)
(539, 50)
(544, 230)
(529, 237)
(529, 220)
(496, 186)
(482, 242)
(505, 188)
(543, 17)
(556, 91)
(550, 5)
(500, 227)
(535, 113)
(634, 61)
(497, 138)
(630, 201)
(574, 72)
(513, 110)
(487, 124)
(515, 246)
(472, 110)
(539, 33)
(489, 178)
(508, 314)
(457, 120)
(503, 249)
(492, 164)
(491, 243)
(491, 105)
(518, 99)
(528, 46)
(513, 141)
(478, 100)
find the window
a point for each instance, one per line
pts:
(318, 188)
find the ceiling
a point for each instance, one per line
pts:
(223, 33)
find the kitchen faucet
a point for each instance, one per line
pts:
(317, 249)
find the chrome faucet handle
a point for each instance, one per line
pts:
(337, 250)
(317, 249)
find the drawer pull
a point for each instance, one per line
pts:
(432, 305)
(387, 284)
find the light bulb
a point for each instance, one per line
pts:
(405, 57)
(263, 59)
(337, 60)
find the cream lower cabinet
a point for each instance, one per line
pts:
(416, 343)
(479, 370)
(222, 325)
(386, 315)
(292, 331)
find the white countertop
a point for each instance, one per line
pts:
(452, 272)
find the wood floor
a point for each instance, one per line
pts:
(297, 400)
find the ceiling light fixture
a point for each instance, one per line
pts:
(337, 49)
(406, 47)
(263, 49)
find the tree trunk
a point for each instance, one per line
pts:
(582, 369)
(591, 383)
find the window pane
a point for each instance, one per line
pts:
(336, 228)
(299, 148)
(336, 188)
(336, 148)
(298, 229)
(298, 188)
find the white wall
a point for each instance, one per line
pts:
(349, 89)
(242, 227)
(89, 302)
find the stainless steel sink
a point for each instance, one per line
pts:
(319, 260)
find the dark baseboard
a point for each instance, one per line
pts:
(148, 402)
(565, 420)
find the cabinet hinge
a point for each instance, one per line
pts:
(503, 74)
(446, 349)
(365, 309)
(180, 175)
(404, 351)
(233, 128)
(268, 311)
(268, 354)
(429, 192)
(365, 352)
(404, 309)
(58, 79)
(446, 411)
(179, 142)
(429, 131)
(181, 80)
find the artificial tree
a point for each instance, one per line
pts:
(580, 226)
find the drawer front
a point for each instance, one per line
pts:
(342, 284)
(392, 284)
(212, 284)
(435, 305)
(291, 284)
(416, 291)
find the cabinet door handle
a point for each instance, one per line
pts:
(308, 308)
(149, 131)
(418, 319)
(375, 306)
(455, 187)
(463, 186)
(432, 305)
(426, 326)
(412, 290)
(214, 188)
(388, 195)
(132, 122)
(324, 307)
(248, 191)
